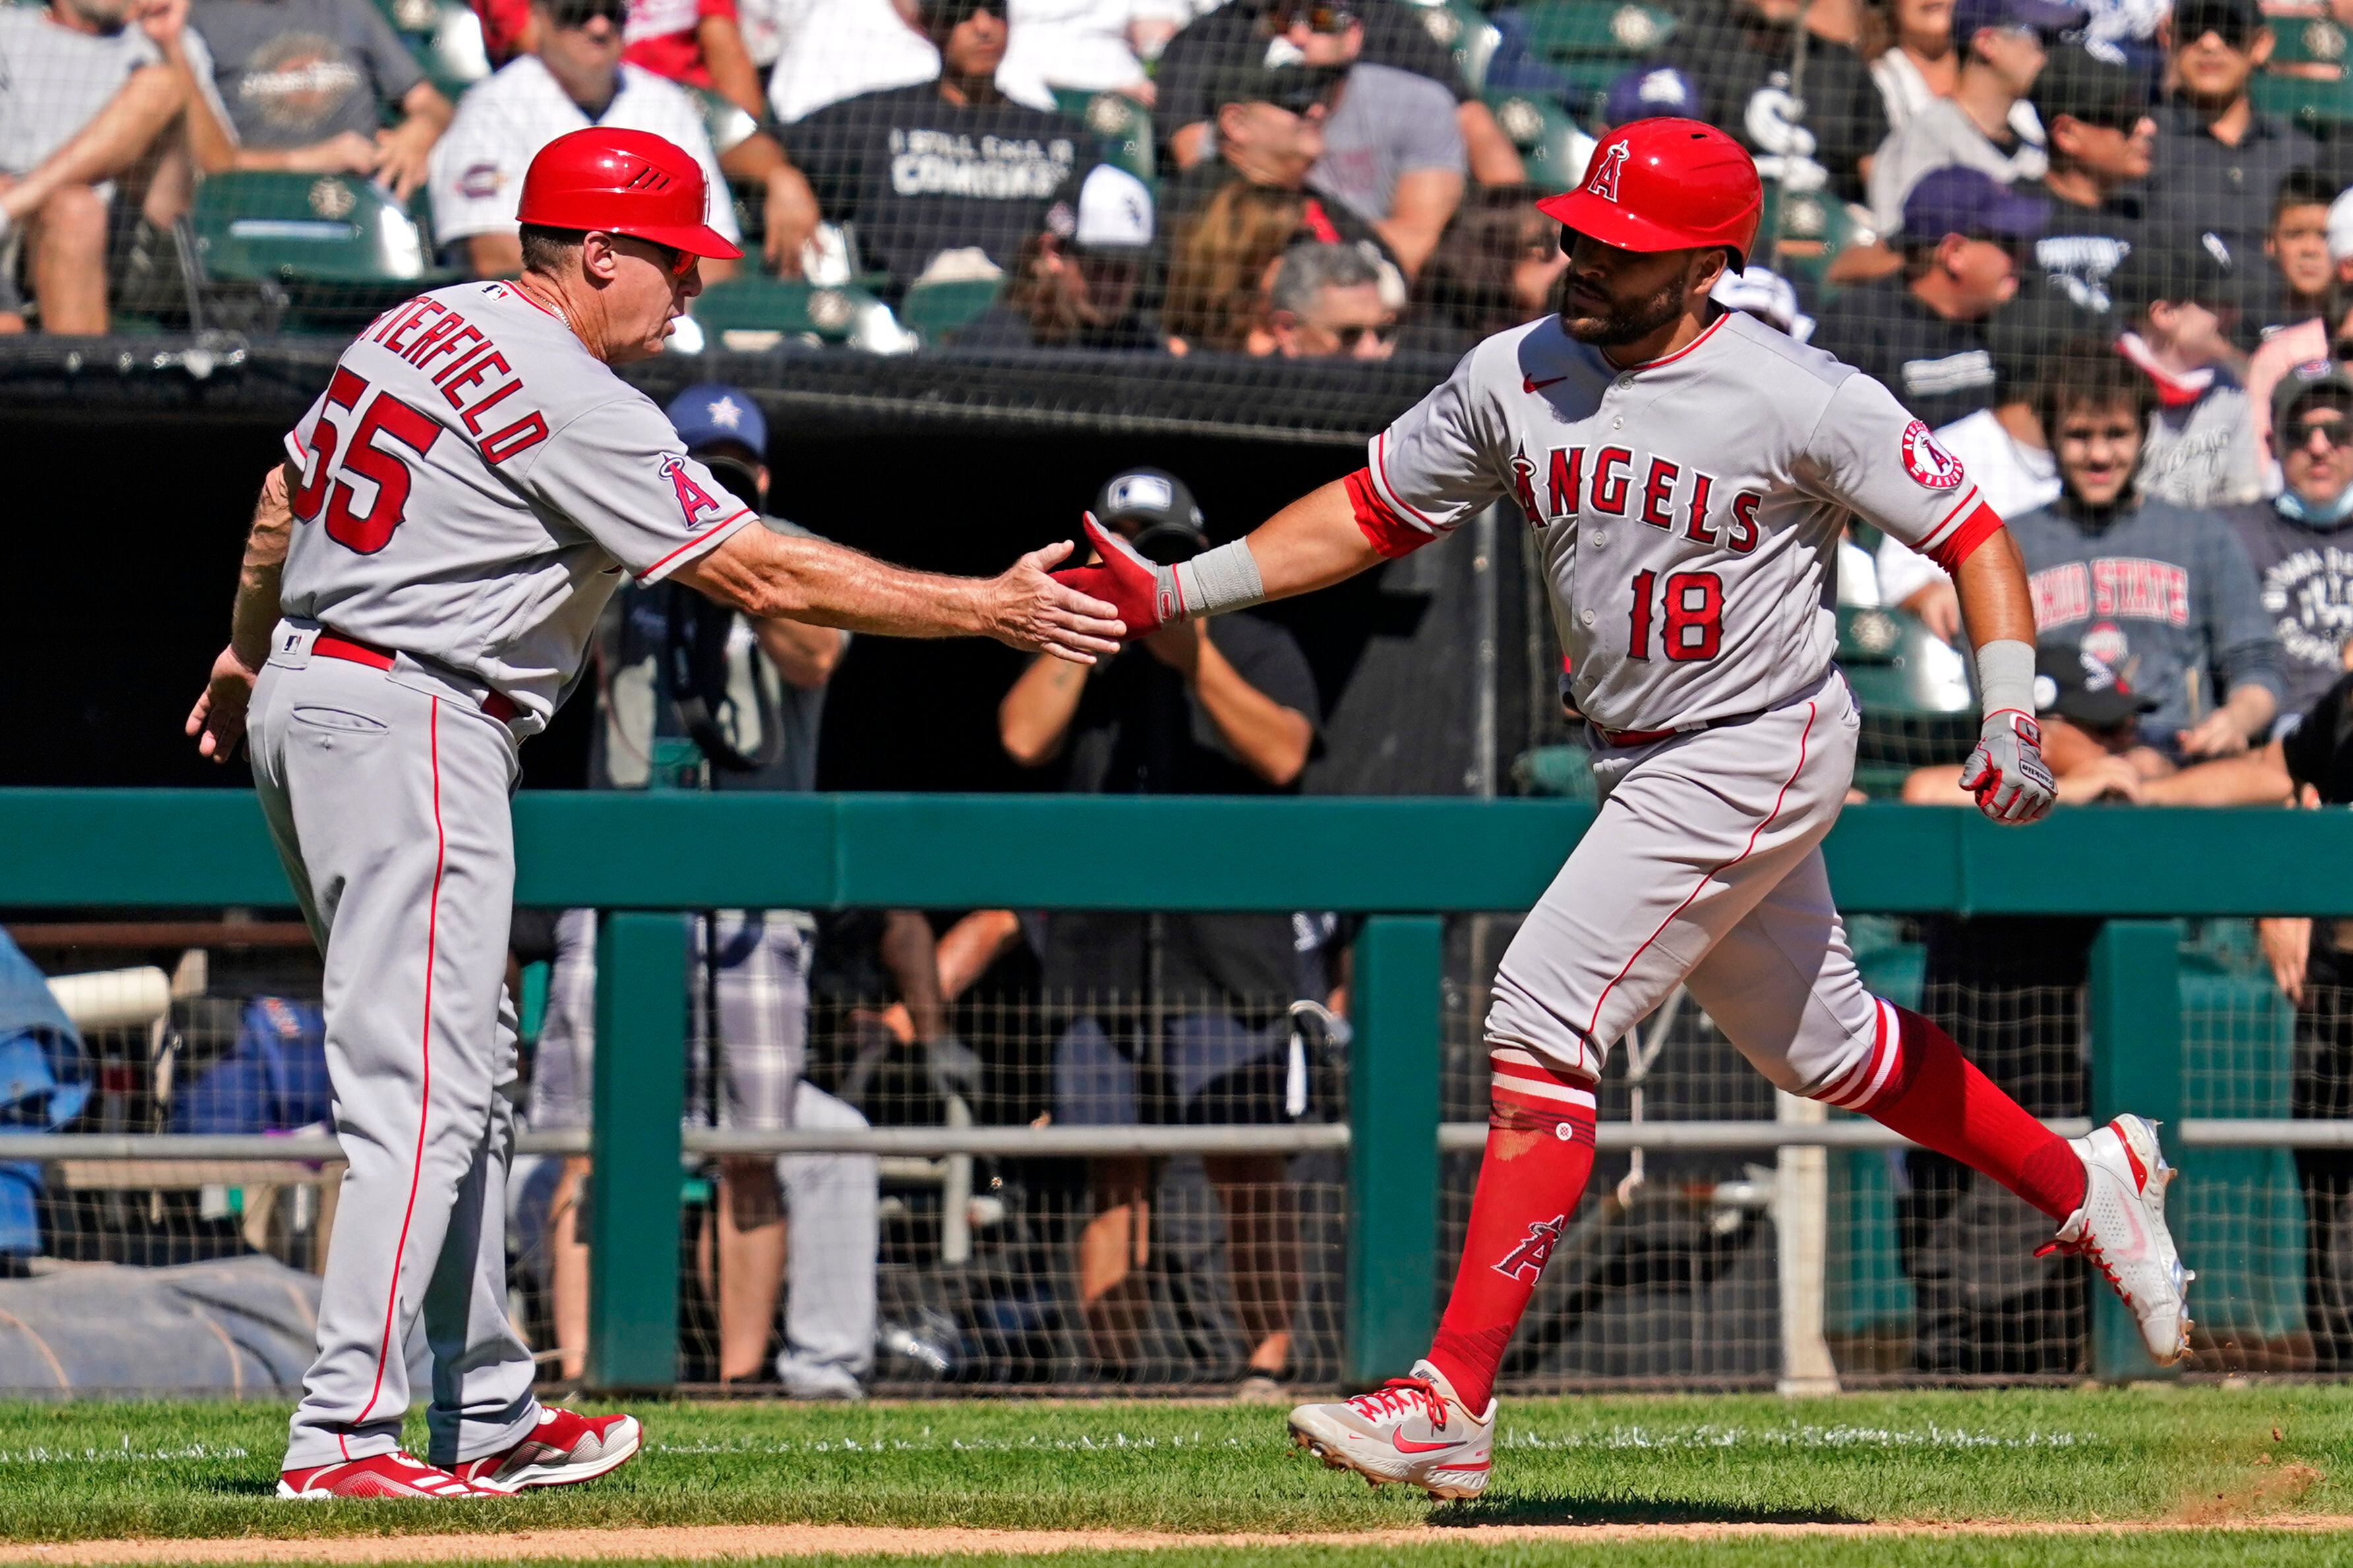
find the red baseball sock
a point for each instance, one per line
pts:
(1539, 1153)
(1916, 1081)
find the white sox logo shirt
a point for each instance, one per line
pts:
(1688, 509)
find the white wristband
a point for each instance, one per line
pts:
(1218, 580)
(2005, 677)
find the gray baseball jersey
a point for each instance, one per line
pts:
(474, 481)
(1688, 509)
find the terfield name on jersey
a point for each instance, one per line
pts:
(1603, 480)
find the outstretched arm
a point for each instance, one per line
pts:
(767, 574)
(1312, 543)
(2006, 772)
(218, 720)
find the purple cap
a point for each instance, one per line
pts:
(1650, 92)
(1954, 200)
(2046, 16)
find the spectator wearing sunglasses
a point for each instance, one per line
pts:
(306, 86)
(1246, 32)
(1922, 334)
(2301, 540)
(951, 164)
(2004, 45)
(573, 77)
(2220, 161)
(1324, 302)
(2095, 117)
(1271, 123)
(2177, 310)
(2315, 337)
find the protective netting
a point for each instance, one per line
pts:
(1191, 1272)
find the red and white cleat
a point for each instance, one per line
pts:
(564, 1450)
(381, 1475)
(2121, 1229)
(1413, 1431)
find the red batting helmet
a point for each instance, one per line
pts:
(1665, 184)
(622, 182)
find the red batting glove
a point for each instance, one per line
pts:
(1146, 595)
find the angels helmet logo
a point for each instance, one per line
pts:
(1525, 1262)
(1604, 183)
(1930, 466)
(693, 501)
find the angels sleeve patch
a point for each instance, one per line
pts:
(1930, 466)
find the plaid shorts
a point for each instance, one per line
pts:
(762, 982)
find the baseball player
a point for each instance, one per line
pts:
(422, 574)
(1687, 472)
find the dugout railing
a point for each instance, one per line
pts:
(1404, 863)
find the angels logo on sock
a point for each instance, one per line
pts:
(1525, 1262)
(1930, 466)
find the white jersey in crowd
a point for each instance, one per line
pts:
(2011, 477)
(828, 50)
(504, 120)
(1688, 509)
(1079, 44)
(473, 484)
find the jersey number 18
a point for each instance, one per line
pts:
(1694, 615)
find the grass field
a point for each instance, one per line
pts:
(2172, 1465)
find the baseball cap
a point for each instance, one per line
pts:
(1647, 92)
(2046, 16)
(1102, 209)
(2034, 334)
(1156, 510)
(1954, 200)
(2314, 378)
(2202, 272)
(2235, 20)
(1296, 88)
(2341, 227)
(2082, 86)
(2086, 690)
(709, 413)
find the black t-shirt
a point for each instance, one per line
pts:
(2083, 245)
(1396, 35)
(1741, 65)
(1938, 369)
(918, 174)
(2319, 752)
(2197, 185)
(1139, 730)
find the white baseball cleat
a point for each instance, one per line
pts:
(2121, 1229)
(563, 1450)
(1413, 1430)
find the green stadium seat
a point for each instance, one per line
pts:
(335, 248)
(1800, 231)
(1563, 772)
(1464, 32)
(751, 314)
(1124, 125)
(934, 311)
(1612, 30)
(2317, 106)
(1552, 147)
(1913, 691)
(445, 35)
(2315, 44)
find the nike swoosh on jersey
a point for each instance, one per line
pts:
(1530, 383)
(1407, 1445)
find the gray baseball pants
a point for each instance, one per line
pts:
(387, 792)
(1704, 866)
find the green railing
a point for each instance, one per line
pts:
(1401, 861)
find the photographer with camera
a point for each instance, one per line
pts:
(1175, 1019)
(692, 694)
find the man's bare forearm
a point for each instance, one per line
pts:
(256, 610)
(767, 574)
(1991, 583)
(1312, 543)
(116, 137)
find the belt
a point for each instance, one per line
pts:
(1645, 737)
(497, 704)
